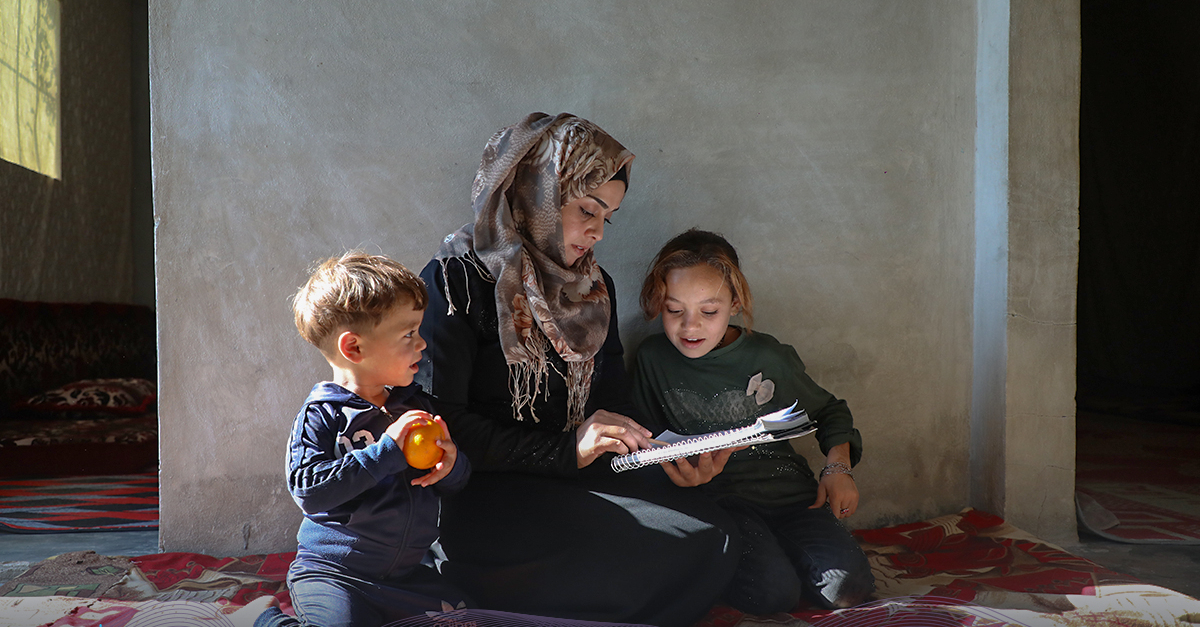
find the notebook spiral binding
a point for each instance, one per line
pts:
(781, 425)
(689, 447)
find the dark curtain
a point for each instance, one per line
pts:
(1139, 217)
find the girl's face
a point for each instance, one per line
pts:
(697, 309)
(583, 219)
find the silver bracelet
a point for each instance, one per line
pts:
(836, 468)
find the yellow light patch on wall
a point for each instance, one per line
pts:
(29, 128)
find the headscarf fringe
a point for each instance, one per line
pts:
(579, 383)
(466, 259)
(526, 377)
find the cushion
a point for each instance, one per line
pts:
(45, 345)
(123, 397)
(95, 430)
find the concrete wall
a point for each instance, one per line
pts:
(990, 333)
(71, 240)
(1026, 260)
(1043, 225)
(833, 142)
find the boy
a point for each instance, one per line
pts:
(370, 520)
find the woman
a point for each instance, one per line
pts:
(525, 362)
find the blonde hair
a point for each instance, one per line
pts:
(693, 248)
(353, 292)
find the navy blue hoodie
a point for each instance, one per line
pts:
(353, 483)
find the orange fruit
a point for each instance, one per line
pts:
(420, 445)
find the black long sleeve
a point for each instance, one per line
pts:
(465, 371)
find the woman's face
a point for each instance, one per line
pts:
(583, 219)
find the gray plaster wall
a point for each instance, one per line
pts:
(71, 239)
(1026, 259)
(990, 333)
(832, 142)
(1043, 261)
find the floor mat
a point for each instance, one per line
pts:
(954, 563)
(201, 578)
(1138, 482)
(79, 504)
(967, 569)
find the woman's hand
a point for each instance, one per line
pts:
(708, 465)
(608, 432)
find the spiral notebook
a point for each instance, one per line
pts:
(784, 424)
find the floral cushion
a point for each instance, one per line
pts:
(103, 430)
(44, 345)
(95, 396)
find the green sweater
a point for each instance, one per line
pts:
(730, 387)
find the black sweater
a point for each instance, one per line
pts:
(464, 370)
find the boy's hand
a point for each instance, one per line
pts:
(398, 430)
(449, 456)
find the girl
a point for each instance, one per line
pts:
(703, 374)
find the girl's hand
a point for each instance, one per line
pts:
(708, 465)
(837, 489)
(607, 432)
(840, 491)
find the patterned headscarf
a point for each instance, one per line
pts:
(529, 171)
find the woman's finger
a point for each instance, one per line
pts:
(635, 439)
(640, 434)
(610, 418)
(605, 424)
(615, 445)
(632, 439)
(634, 426)
(602, 444)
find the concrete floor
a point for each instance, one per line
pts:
(1173, 567)
(19, 550)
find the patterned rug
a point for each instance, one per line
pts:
(78, 504)
(195, 577)
(967, 569)
(83, 589)
(952, 563)
(1138, 482)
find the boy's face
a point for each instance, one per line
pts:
(697, 309)
(393, 348)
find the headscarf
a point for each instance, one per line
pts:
(528, 172)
